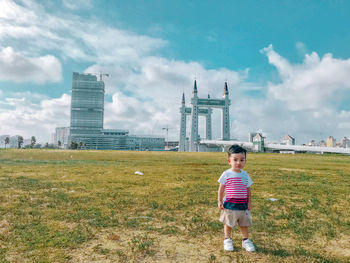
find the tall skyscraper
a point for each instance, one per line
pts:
(87, 105)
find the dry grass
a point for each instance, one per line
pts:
(89, 206)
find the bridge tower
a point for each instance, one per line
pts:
(203, 107)
(225, 116)
(182, 141)
(208, 130)
(194, 120)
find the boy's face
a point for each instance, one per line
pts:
(237, 161)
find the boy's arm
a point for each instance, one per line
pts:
(221, 193)
(249, 199)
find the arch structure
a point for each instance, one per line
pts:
(203, 107)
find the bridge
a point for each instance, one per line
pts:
(276, 147)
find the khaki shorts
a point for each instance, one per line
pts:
(236, 217)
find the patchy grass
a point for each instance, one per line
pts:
(89, 206)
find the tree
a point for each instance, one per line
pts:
(20, 142)
(32, 141)
(59, 144)
(7, 141)
(73, 145)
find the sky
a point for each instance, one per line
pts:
(287, 64)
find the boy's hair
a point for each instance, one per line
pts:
(236, 149)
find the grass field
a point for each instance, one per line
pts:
(89, 206)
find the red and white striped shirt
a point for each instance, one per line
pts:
(236, 187)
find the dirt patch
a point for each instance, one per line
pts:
(339, 246)
(4, 226)
(116, 247)
(291, 170)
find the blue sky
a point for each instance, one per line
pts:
(287, 64)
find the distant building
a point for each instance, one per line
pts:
(288, 140)
(258, 143)
(14, 141)
(171, 145)
(27, 142)
(312, 143)
(62, 137)
(145, 143)
(345, 142)
(2, 141)
(322, 143)
(251, 136)
(331, 142)
(87, 106)
(52, 138)
(86, 123)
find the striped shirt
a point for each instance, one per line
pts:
(236, 187)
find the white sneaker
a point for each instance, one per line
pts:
(228, 245)
(248, 245)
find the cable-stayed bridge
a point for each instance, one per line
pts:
(276, 147)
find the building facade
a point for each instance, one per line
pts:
(258, 142)
(3, 140)
(87, 105)
(312, 143)
(345, 142)
(288, 140)
(61, 138)
(331, 142)
(322, 143)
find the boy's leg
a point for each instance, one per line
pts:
(228, 244)
(227, 231)
(246, 243)
(244, 231)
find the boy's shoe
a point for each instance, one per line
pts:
(248, 245)
(228, 245)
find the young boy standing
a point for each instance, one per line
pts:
(237, 202)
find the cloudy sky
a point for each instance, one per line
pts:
(287, 64)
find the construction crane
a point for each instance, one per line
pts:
(99, 74)
(167, 142)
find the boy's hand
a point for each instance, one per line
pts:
(249, 206)
(221, 205)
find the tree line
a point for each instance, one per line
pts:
(20, 142)
(33, 144)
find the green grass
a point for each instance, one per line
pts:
(89, 206)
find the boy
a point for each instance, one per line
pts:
(237, 203)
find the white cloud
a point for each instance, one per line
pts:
(301, 48)
(77, 4)
(11, 11)
(303, 103)
(71, 36)
(129, 113)
(19, 68)
(283, 66)
(34, 115)
(312, 85)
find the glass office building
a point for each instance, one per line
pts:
(87, 105)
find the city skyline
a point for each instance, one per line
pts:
(287, 64)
